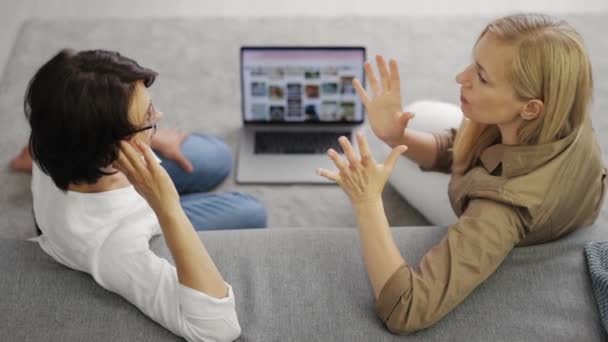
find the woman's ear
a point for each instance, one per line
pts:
(532, 109)
(109, 169)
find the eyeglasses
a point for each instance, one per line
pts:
(152, 127)
(151, 112)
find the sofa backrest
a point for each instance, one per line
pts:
(310, 284)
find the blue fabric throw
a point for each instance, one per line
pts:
(597, 259)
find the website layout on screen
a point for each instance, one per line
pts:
(301, 85)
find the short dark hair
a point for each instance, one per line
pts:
(77, 105)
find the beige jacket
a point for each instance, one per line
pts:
(515, 196)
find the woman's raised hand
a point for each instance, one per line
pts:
(384, 107)
(360, 176)
(149, 179)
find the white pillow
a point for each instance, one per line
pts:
(425, 191)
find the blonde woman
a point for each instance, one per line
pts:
(525, 165)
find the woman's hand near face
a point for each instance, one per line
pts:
(361, 177)
(195, 268)
(384, 107)
(168, 143)
(150, 179)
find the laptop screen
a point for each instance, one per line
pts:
(301, 84)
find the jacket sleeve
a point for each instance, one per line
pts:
(444, 157)
(414, 299)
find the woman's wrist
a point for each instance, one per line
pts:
(397, 140)
(366, 203)
(168, 211)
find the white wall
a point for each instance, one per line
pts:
(13, 12)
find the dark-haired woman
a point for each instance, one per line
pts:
(100, 192)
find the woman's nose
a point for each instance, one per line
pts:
(462, 78)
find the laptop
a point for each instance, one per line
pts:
(296, 103)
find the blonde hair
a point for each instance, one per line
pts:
(551, 65)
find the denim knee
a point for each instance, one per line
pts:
(220, 154)
(212, 162)
(251, 213)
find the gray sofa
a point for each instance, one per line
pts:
(291, 284)
(310, 285)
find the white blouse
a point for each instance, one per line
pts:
(107, 236)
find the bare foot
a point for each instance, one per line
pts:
(23, 162)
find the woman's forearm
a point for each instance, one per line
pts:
(422, 146)
(195, 268)
(380, 254)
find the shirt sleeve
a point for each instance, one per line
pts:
(150, 283)
(414, 299)
(444, 157)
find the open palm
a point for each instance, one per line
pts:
(384, 107)
(361, 177)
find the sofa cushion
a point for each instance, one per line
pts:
(310, 284)
(597, 259)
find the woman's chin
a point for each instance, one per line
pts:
(465, 110)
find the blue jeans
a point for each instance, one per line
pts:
(212, 163)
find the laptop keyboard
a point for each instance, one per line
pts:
(297, 142)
